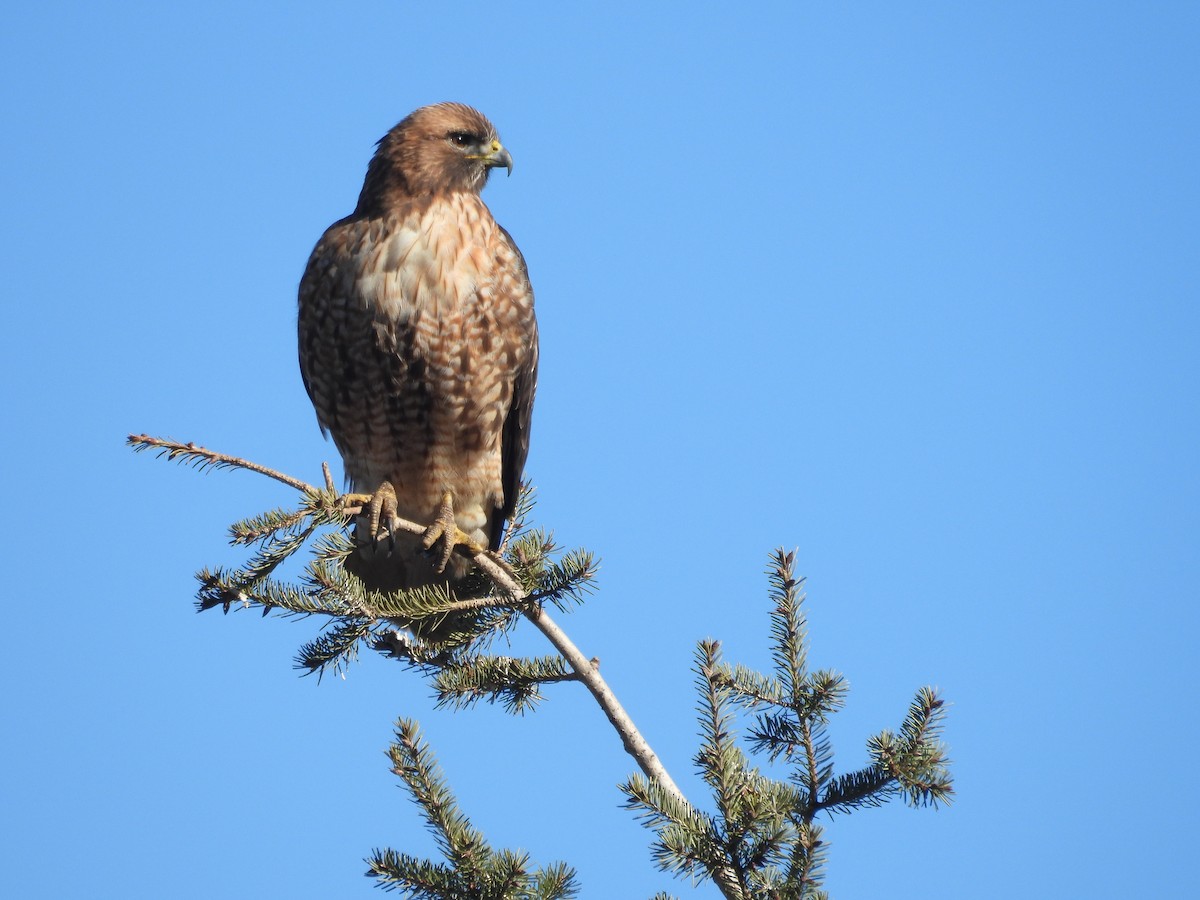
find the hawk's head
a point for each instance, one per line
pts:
(437, 149)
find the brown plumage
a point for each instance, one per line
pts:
(418, 344)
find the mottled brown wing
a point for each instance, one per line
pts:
(321, 349)
(515, 443)
(307, 326)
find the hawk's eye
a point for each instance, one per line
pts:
(460, 138)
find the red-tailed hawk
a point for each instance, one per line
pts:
(418, 346)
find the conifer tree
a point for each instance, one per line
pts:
(756, 838)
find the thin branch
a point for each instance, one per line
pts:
(587, 670)
(205, 458)
(589, 673)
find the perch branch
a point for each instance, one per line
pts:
(588, 671)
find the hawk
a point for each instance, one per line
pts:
(419, 348)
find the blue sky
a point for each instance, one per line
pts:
(910, 287)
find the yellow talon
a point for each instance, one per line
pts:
(381, 511)
(380, 508)
(445, 531)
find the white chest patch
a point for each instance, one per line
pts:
(424, 262)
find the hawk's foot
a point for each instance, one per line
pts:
(381, 509)
(445, 531)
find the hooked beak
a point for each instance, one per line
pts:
(498, 157)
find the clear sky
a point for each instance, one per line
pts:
(910, 287)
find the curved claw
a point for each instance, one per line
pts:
(382, 508)
(444, 530)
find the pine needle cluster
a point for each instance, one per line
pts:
(762, 840)
(472, 868)
(443, 634)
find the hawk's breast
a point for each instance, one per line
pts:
(433, 320)
(433, 260)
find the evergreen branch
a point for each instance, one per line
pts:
(266, 525)
(224, 589)
(789, 629)
(439, 623)
(819, 694)
(332, 546)
(689, 841)
(558, 880)
(823, 693)
(544, 578)
(507, 879)
(463, 846)
(571, 577)
(776, 734)
(782, 733)
(216, 592)
(329, 505)
(517, 526)
(916, 757)
(474, 870)
(767, 830)
(513, 682)
(424, 602)
(761, 843)
(506, 874)
(270, 556)
(324, 507)
(416, 603)
(530, 549)
(403, 645)
(872, 786)
(807, 863)
(749, 688)
(925, 718)
(753, 810)
(430, 610)
(719, 759)
(588, 671)
(203, 458)
(326, 580)
(420, 879)
(334, 648)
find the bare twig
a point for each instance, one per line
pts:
(588, 672)
(204, 458)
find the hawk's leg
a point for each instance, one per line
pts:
(444, 531)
